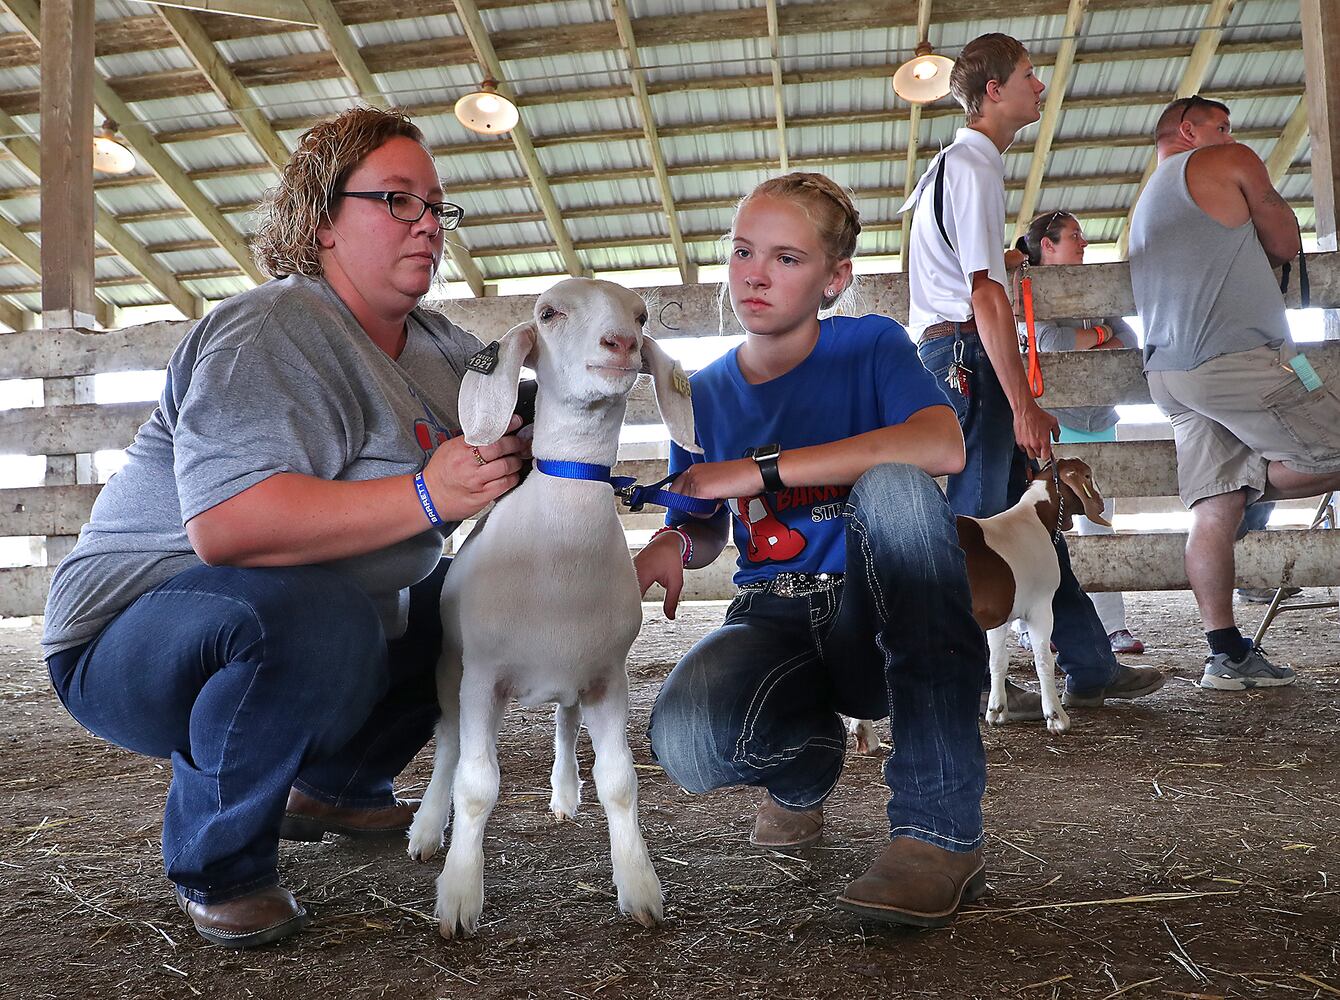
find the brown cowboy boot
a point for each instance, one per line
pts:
(306, 818)
(776, 827)
(913, 882)
(248, 921)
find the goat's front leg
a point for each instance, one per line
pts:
(997, 703)
(616, 783)
(565, 782)
(425, 833)
(1040, 628)
(460, 887)
(867, 740)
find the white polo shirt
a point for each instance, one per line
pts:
(940, 278)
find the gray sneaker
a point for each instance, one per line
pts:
(1021, 704)
(1252, 671)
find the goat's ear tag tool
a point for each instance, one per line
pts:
(680, 381)
(484, 360)
(1302, 367)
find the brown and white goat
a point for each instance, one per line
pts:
(1014, 573)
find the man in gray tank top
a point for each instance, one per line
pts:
(1251, 419)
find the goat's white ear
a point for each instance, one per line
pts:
(673, 396)
(487, 401)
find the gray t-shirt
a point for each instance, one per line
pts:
(278, 379)
(1059, 335)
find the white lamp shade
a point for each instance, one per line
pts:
(923, 78)
(486, 111)
(110, 156)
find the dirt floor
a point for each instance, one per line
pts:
(1184, 846)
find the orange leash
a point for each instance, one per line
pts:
(1034, 366)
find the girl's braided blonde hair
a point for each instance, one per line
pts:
(828, 206)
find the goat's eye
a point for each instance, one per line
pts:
(642, 320)
(548, 313)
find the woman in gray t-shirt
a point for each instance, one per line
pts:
(1057, 238)
(255, 596)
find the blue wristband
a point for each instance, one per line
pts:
(421, 488)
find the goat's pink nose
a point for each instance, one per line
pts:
(620, 343)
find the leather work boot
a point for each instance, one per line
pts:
(306, 818)
(777, 827)
(247, 921)
(1130, 682)
(1022, 704)
(913, 882)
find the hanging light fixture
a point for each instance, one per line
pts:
(924, 77)
(486, 111)
(110, 154)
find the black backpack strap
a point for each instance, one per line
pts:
(939, 200)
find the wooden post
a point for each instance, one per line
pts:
(67, 163)
(1321, 69)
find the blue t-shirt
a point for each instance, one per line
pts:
(863, 374)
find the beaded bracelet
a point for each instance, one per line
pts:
(686, 543)
(421, 488)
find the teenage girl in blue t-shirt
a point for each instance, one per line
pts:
(821, 438)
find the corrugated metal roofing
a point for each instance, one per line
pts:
(710, 157)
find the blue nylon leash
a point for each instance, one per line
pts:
(631, 495)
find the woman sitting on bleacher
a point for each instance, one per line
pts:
(1056, 238)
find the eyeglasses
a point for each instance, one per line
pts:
(410, 207)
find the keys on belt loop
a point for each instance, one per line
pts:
(957, 375)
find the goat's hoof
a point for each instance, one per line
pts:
(997, 715)
(867, 740)
(1058, 722)
(640, 897)
(423, 844)
(564, 806)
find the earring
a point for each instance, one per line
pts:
(830, 293)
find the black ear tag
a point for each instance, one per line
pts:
(484, 360)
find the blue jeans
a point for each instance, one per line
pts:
(993, 480)
(252, 681)
(756, 701)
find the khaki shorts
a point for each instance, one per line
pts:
(1238, 412)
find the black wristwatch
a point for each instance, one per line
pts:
(765, 455)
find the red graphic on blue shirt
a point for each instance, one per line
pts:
(769, 539)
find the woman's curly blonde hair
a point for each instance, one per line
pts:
(288, 216)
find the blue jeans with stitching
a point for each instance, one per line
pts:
(252, 681)
(993, 480)
(756, 702)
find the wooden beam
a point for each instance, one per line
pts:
(66, 257)
(1051, 114)
(1287, 145)
(154, 156)
(139, 257)
(1321, 66)
(778, 86)
(346, 51)
(688, 270)
(468, 13)
(913, 134)
(1197, 68)
(287, 11)
(200, 49)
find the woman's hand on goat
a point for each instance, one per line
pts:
(463, 480)
(662, 561)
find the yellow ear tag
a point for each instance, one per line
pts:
(680, 381)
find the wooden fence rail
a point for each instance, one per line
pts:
(1126, 469)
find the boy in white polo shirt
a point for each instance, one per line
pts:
(967, 338)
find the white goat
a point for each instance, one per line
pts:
(541, 605)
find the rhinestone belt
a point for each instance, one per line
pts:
(795, 584)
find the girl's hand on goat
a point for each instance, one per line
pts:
(662, 561)
(463, 480)
(719, 480)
